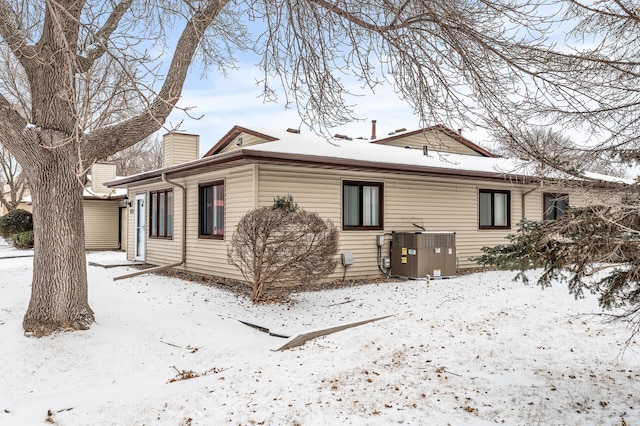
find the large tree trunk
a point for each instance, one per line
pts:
(59, 298)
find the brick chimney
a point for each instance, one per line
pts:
(179, 148)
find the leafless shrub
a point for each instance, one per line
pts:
(282, 246)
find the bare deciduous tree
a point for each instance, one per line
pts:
(587, 89)
(275, 245)
(12, 180)
(84, 59)
(95, 87)
(143, 156)
(591, 88)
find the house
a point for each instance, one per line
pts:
(105, 218)
(105, 213)
(184, 214)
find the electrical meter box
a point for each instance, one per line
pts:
(423, 254)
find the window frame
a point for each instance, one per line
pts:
(201, 186)
(158, 212)
(555, 196)
(492, 192)
(361, 185)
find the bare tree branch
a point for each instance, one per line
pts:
(127, 133)
(12, 34)
(99, 46)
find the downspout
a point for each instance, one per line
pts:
(183, 256)
(184, 217)
(524, 194)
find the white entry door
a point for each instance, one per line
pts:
(140, 226)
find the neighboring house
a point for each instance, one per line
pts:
(105, 212)
(105, 218)
(184, 214)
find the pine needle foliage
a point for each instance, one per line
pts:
(594, 249)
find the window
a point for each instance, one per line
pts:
(494, 209)
(211, 210)
(554, 205)
(161, 212)
(362, 205)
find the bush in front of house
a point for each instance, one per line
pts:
(283, 244)
(23, 240)
(15, 222)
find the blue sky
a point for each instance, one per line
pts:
(235, 99)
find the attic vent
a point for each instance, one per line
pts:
(290, 130)
(401, 130)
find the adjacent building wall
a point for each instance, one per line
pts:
(435, 141)
(101, 224)
(435, 203)
(244, 140)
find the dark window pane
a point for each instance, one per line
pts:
(170, 214)
(494, 208)
(161, 214)
(485, 209)
(154, 214)
(351, 205)
(362, 205)
(211, 216)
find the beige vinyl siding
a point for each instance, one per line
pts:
(162, 251)
(435, 203)
(435, 140)
(101, 173)
(178, 148)
(209, 256)
(124, 227)
(101, 224)
(247, 140)
(131, 223)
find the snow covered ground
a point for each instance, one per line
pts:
(478, 349)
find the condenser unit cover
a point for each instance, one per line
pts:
(421, 254)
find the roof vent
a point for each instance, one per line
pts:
(401, 130)
(407, 147)
(425, 150)
(339, 136)
(296, 131)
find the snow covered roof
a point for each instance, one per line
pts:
(114, 194)
(309, 148)
(365, 151)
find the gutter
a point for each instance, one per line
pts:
(183, 257)
(255, 155)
